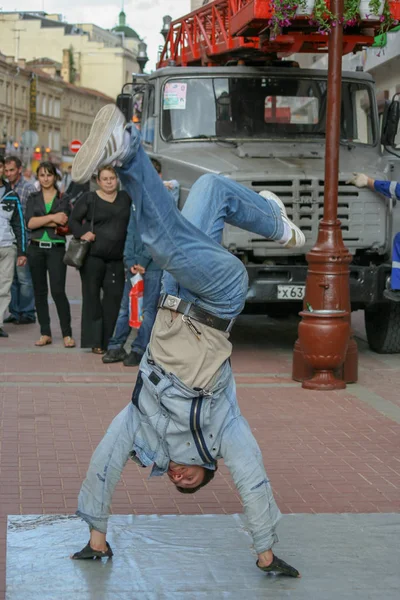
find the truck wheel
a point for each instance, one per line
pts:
(382, 324)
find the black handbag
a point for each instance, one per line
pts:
(78, 249)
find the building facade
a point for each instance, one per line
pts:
(98, 59)
(32, 99)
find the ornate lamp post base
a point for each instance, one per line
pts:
(323, 336)
(324, 332)
(327, 289)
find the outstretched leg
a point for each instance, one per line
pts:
(190, 251)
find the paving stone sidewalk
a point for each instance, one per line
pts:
(324, 452)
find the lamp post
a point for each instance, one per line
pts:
(142, 57)
(327, 285)
(166, 25)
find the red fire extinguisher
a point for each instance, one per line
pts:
(136, 301)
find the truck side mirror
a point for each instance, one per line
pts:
(125, 105)
(391, 119)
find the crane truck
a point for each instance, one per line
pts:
(226, 99)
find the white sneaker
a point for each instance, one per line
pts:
(104, 145)
(298, 238)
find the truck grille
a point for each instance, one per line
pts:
(361, 212)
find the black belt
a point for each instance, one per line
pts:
(194, 312)
(46, 245)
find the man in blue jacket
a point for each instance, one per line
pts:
(184, 413)
(137, 260)
(12, 244)
(390, 189)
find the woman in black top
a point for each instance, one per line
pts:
(103, 269)
(45, 212)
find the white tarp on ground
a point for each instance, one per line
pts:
(196, 557)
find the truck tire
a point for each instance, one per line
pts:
(382, 324)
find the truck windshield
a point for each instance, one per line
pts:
(261, 108)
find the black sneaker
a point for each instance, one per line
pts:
(3, 333)
(11, 319)
(25, 321)
(114, 355)
(133, 359)
(279, 566)
(393, 295)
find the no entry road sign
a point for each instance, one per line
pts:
(75, 146)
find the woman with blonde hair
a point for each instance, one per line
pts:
(102, 274)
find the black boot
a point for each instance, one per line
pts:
(11, 319)
(114, 355)
(3, 333)
(133, 359)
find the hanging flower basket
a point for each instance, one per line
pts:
(319, 14)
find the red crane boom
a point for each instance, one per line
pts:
(225, 30)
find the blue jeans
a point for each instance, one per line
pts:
(395, 279)
(152, 288)
(22, 296)
(187, 244)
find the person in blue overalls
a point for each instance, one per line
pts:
(390, 189)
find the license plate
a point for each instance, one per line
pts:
(291, 292)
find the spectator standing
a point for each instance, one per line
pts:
(12, 243)
(46, 210)
(102, 274)
(172, 185)
(389, 189)
(66, 180)
(3, 183)
(22, 305)
(138, 260)
(29, 176)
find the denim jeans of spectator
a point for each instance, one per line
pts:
(152, 288)
(22, 295)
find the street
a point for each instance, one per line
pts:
(335, 452)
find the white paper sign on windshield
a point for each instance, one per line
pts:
(175, 96)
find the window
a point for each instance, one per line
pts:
(56, 140)
(44, 105)
(57, 108)
(262, 108)
(148, 118)
(51, 106)
(23, 97)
